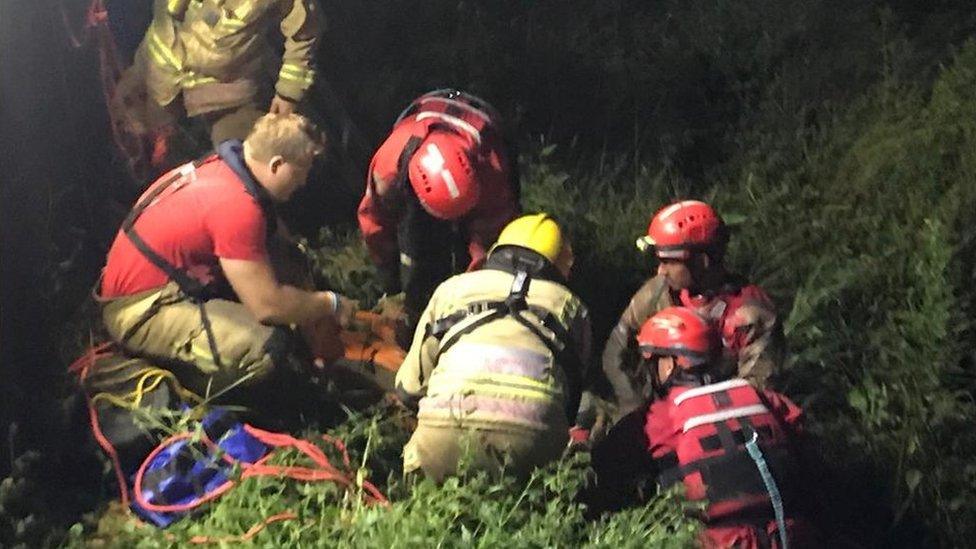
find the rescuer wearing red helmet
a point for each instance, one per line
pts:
(689, 240)
(732, 446)
(440, 180)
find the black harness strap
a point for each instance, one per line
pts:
(403, 163)
(188, 285)
(514, 306)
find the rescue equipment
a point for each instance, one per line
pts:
(678, 332)
(537, 232)
(371, 349)
(437, 163)
(681, 228)
(731, 449)
(180, 475)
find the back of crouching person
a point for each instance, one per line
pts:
(496, 361)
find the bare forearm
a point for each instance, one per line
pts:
(291, 305)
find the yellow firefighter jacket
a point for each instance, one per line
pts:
(217, 54)
(500, 375)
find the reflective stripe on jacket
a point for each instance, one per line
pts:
(500, 374)
(196, 43)
(697, 436)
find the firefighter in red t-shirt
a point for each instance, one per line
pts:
(192, 281)
(734, 447)
(442, 181)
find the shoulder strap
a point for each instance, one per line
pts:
(189, 285)
(514, 306)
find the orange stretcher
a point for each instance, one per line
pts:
(370, 348)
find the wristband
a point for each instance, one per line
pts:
(335, 302)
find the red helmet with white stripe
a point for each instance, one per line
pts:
(442, 176)
(677, 230)
(679, 332)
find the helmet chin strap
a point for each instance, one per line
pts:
(681, 377)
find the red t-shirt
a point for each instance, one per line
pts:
(206, 215)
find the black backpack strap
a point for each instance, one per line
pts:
(403, 163)
(561, 347)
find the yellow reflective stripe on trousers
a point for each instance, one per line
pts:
(232, 23)
(202, 354)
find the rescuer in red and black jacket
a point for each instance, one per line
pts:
(734, 447)
(688, 239)
(442, 181)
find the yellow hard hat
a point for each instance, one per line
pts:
(537, 232)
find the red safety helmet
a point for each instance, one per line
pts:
(679, 332)
(677, 230)
(442, 98)
(442, 176)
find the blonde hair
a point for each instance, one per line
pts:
(292, 136)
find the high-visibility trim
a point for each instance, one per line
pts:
(163, 52)
(494, 387)
(709, 389)
(307, 81)
(490, 377)
(481, 407)
(176, 8)
(454, 121)
(723, 415)
(296, 73)
(192, 80)
(460, 104)
(203, 356)
(233, 24)
(470, 358)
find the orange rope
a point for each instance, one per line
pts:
(251, 532)
(82, 367)
(324, 471)
(110, 71)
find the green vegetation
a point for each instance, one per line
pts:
(470, 511)
(841, 148)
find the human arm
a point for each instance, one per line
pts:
(421, 359)
(620, 359)
(274, 303)
(753, 332)
(378, 227)
(301, 26)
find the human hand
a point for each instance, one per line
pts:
(280, 105)
(345, 309)
(579, 439)
(390, 307)
(324, 343)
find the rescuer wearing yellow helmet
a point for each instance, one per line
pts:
(497, 359)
